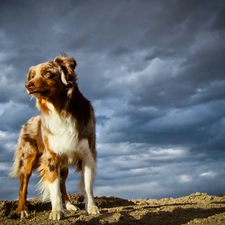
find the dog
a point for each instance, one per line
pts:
(62, 135)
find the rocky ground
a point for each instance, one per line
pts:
(198, 208)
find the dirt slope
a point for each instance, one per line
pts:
(198, 208)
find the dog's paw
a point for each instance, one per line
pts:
(70, 206)
(93, 209)
(24, 214)
(56, 215)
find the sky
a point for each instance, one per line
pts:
(155, 74)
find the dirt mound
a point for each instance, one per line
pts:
(198, 208)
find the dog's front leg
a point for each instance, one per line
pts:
(50, 184)
(56, 200)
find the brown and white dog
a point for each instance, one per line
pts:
(62, 135)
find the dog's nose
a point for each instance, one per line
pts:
(29, 85)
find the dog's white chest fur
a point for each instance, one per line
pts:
(63, 136)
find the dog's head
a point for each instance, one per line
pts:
(57, 76)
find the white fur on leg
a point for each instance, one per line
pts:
(70, 206)
(56, 200)
(89, 173)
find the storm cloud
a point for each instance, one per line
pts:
(155, 73)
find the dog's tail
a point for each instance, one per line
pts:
(14, 170)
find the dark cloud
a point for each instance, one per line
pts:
(154, 71)
(14, 115)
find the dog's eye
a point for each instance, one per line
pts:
(31, 76)
(48, 74)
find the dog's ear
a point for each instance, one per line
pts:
(68, 64)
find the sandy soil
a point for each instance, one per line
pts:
(197, 208)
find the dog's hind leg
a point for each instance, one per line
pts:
(24, 163)
(24, 179)
(29, 149)
(26, 167)
(66, 200)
